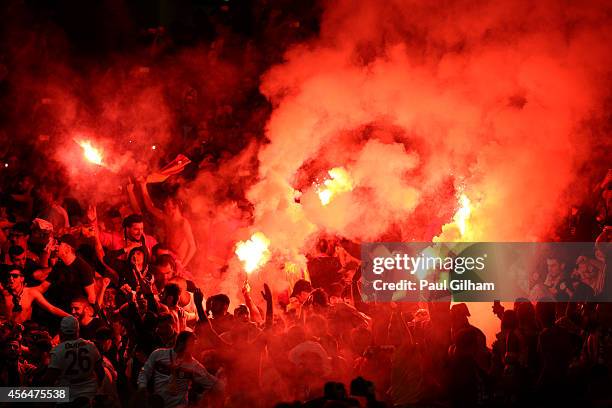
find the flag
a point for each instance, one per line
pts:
(174, 167)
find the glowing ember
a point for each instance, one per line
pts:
(254, 252)
(340, 181)
(91, 153)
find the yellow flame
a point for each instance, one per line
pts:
(459, 229)
(340, 181)
(91, 153)
(253, 252)
(463, 214)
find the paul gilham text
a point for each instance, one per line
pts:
(424, 284)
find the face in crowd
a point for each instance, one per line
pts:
(81, 310)
(171, 207)
(137, 259)
(15, 280)
(18, 238)
(135, 231)
(19, 259)
(554, 266)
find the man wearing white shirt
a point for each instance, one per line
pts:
(173, 370)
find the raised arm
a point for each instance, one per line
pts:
(147, 292)
(100, 297)
(188, 234)
(203, 325)
(267, 295)
(146, 198)
(132, 198)
(253, 310)
(90, 290)
(94, 231)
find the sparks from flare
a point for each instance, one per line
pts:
(254, 252)
(91, 153)
(340, 181)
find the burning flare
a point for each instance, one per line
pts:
(254, 252)
(463, 214)
(91, 153)
(340, 181)
(459, 228)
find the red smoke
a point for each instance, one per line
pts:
(495, 100)
(419, 102)
(408, 95)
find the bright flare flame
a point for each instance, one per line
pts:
(459, 229)
(91, 153)
(463, 214)
(340, 181)
(254, 252)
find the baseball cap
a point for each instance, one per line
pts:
(69, 325)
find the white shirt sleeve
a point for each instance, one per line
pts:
(146, 373)
(205, 379)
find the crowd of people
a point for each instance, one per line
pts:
(108, 301)
(97, 304)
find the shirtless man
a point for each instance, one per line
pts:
(179, 235)
(18, 298)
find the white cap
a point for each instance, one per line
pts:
(69, 325)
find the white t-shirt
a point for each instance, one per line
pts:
(76, 359)
(171, 378)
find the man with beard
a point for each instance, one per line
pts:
(84, 313)
(133, 237)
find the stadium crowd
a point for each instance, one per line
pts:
(95, 303)
(106, 299)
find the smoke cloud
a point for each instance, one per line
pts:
(423, 102)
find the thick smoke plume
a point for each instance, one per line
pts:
(424, 106)
(424, 102)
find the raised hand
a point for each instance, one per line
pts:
(146, 288)
(267, 293)
(92, 213)
(198, 296)
(246, 289)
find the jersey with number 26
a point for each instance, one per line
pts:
(76, 360)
